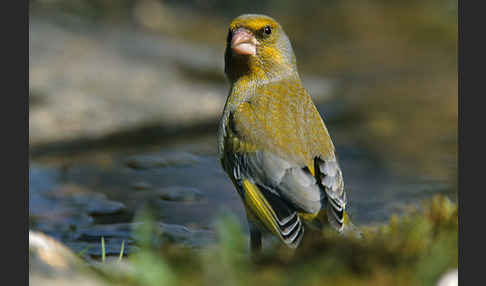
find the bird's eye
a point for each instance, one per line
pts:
(267, 30)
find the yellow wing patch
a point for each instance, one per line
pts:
(312, 170)
(256, 202)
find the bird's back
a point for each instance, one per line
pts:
(281, 118)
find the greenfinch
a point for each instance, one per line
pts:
(272, 142)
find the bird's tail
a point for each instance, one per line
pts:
(339, 219)
(347, 227)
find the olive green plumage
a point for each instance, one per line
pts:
(272, 141)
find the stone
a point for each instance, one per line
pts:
(159, 160)
(180, 194)
(52, 263)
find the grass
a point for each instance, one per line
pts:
(122, 248)
(103, 250)
(411, 249)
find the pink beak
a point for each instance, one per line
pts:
(243, 42)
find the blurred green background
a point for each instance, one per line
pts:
(395, 61)
(125, 98)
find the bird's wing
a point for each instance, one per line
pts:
(252, 176)
(274, 213)
(283, 148)
(330, 178)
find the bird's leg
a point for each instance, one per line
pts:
(255, 239)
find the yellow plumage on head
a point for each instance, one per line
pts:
(272, 141)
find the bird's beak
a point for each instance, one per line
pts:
(243, 42)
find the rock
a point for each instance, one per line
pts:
(177, 234)
(50, 210)
(52, 263)
(61, 209)
(122, 231)
(159, 160)
(88, 201)
(180, 234)
(98, 80)
(141, 186)
(50, 255)
(100, 205)
(173, 193)
(180, 194)
(449, 279)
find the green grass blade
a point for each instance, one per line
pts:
(103, 252)
(121, 251)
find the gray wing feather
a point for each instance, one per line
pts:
(287, 180)
(332, 182)
(302, 190)
(296, 186)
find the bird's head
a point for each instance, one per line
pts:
(257, 48)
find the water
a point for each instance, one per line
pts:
(186, 190)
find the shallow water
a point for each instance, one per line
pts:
(186, 190)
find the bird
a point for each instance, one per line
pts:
(272, 142)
